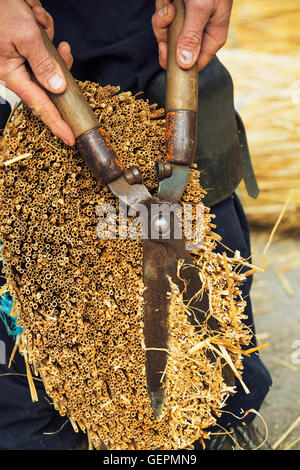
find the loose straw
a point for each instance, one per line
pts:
(292, 444)
(17, 159)
(32, 388)
(286, 433)
(275, 228)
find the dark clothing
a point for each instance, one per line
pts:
(112, 43)
(22, 422)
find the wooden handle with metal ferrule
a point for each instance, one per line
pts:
(71, 104)
(77, 113)
(181, 99)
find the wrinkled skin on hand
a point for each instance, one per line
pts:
(20, 42)
(204, 32)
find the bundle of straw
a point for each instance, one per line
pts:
(265, 25)
(79, 298)
(267, 95)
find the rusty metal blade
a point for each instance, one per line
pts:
(160, 261)
(159, 264)
(156, 313)
(131, 195)
(159, 258)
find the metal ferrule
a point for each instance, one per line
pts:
(181, 136)
(99, 155)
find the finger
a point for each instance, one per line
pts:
(45, 19)
(46, 70)
(42, 16)
(161, 19)
(33, 3)
(38, 101)
(160, 4)
(210, 47)
(65, 51)
(189, 41)
(163, 52)
(214, 37)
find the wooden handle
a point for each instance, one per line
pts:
(91, 140)
(182, 85)
(71, 104)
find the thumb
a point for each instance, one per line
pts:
(44, 67)
(190, 39)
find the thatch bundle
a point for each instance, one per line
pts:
(79, 298)
(269, 26)
(263, 58)
(268, 97)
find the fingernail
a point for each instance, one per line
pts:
(55, 82)
(186, 57)
(163, 11)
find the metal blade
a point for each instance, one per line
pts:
(156, 313)
(157, 256)
(171, 189)
(194, 298)
(159, 262)
(131, 194)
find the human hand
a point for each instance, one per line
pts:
(20, 42)
(204, 31)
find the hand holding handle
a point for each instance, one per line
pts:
(181, 99)
(91, 141)
(182, 85)
(71, 104)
